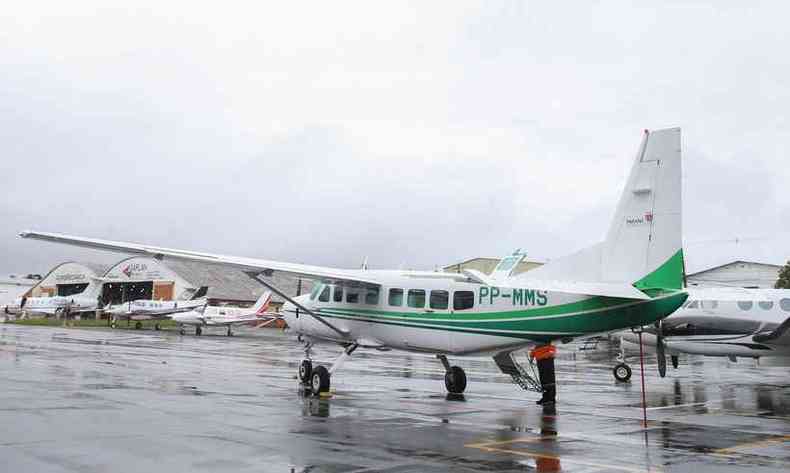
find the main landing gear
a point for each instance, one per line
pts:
(230, 331)
(454, 377)
(622, 372)
(198, 330)
(317, 380)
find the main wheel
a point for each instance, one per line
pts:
(138, 325)
(622, 372)
(112, 324)
(230, 331)
(675, 361)
(198, 330)
(319, 382)
(455, 380)
(182, 331)
(305, 370)
(157, 327)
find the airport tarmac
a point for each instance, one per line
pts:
(93, 400)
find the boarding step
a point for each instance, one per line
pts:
(522, 376)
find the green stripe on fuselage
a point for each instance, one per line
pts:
(594, 315)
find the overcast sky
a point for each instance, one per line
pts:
(414, 134)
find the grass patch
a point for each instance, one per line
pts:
(90, 322)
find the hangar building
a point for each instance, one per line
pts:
(148, 278)
(66, 279)
(749, 274)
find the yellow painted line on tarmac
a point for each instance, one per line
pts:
(755, 444)
(496, 447)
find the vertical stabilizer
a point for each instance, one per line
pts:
(643, 244)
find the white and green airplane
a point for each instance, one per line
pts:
(631, 279)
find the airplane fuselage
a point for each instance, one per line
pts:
(708, 326)
(427, 312)
(51, 305)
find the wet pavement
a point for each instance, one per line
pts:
(126, 401)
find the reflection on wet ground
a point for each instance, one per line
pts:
(95, 400)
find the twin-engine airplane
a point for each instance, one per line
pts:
(633, 278)
(143, 309)
(731, 322)
(85, 301)
(213, 316)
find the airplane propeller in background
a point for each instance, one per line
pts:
(661, 349)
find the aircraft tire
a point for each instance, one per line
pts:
(157, 327)
(112, 324)
(319, 381)
(622, 372)
(198, 330)
(675, 361)
(305, 370)
(138, 325)
(455, 380)
(182, 331)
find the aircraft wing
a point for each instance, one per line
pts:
(780, 336)
(329, 275)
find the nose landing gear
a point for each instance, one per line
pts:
(454, 376)
(317, 380)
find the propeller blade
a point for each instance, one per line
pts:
(661, 350)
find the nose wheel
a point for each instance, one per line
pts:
(198, 330)
(454, 377)
(622, 372)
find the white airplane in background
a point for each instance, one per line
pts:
(212, 316)
(731, 322)
(85, 301)
(633, 278)
(143, 309)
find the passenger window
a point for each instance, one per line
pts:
(338, 295)
(396, 297)
(416, 298)
(463, 300)
(372, 296)
(785, 304)
(766, 305)
(352, 297)
(324, 297)
(439, 299)
(745, 305)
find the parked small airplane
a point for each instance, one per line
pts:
(143, 309)
(212, 316)
(85, 301)
(633, 278)
(731, 322)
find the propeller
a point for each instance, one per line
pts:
(661, 350)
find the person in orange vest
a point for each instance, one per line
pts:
(544, 356)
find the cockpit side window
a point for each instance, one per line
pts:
(315, 291)
(338, 295)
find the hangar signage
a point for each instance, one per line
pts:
(69, 277)
(141, 271)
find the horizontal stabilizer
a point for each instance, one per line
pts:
(624, 291)
(780, 336)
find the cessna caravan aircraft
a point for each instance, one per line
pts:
(85, 301)
(731, 322)
(142, 309)
(631, 279)
(212, 316)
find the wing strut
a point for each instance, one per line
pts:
(257, 277)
